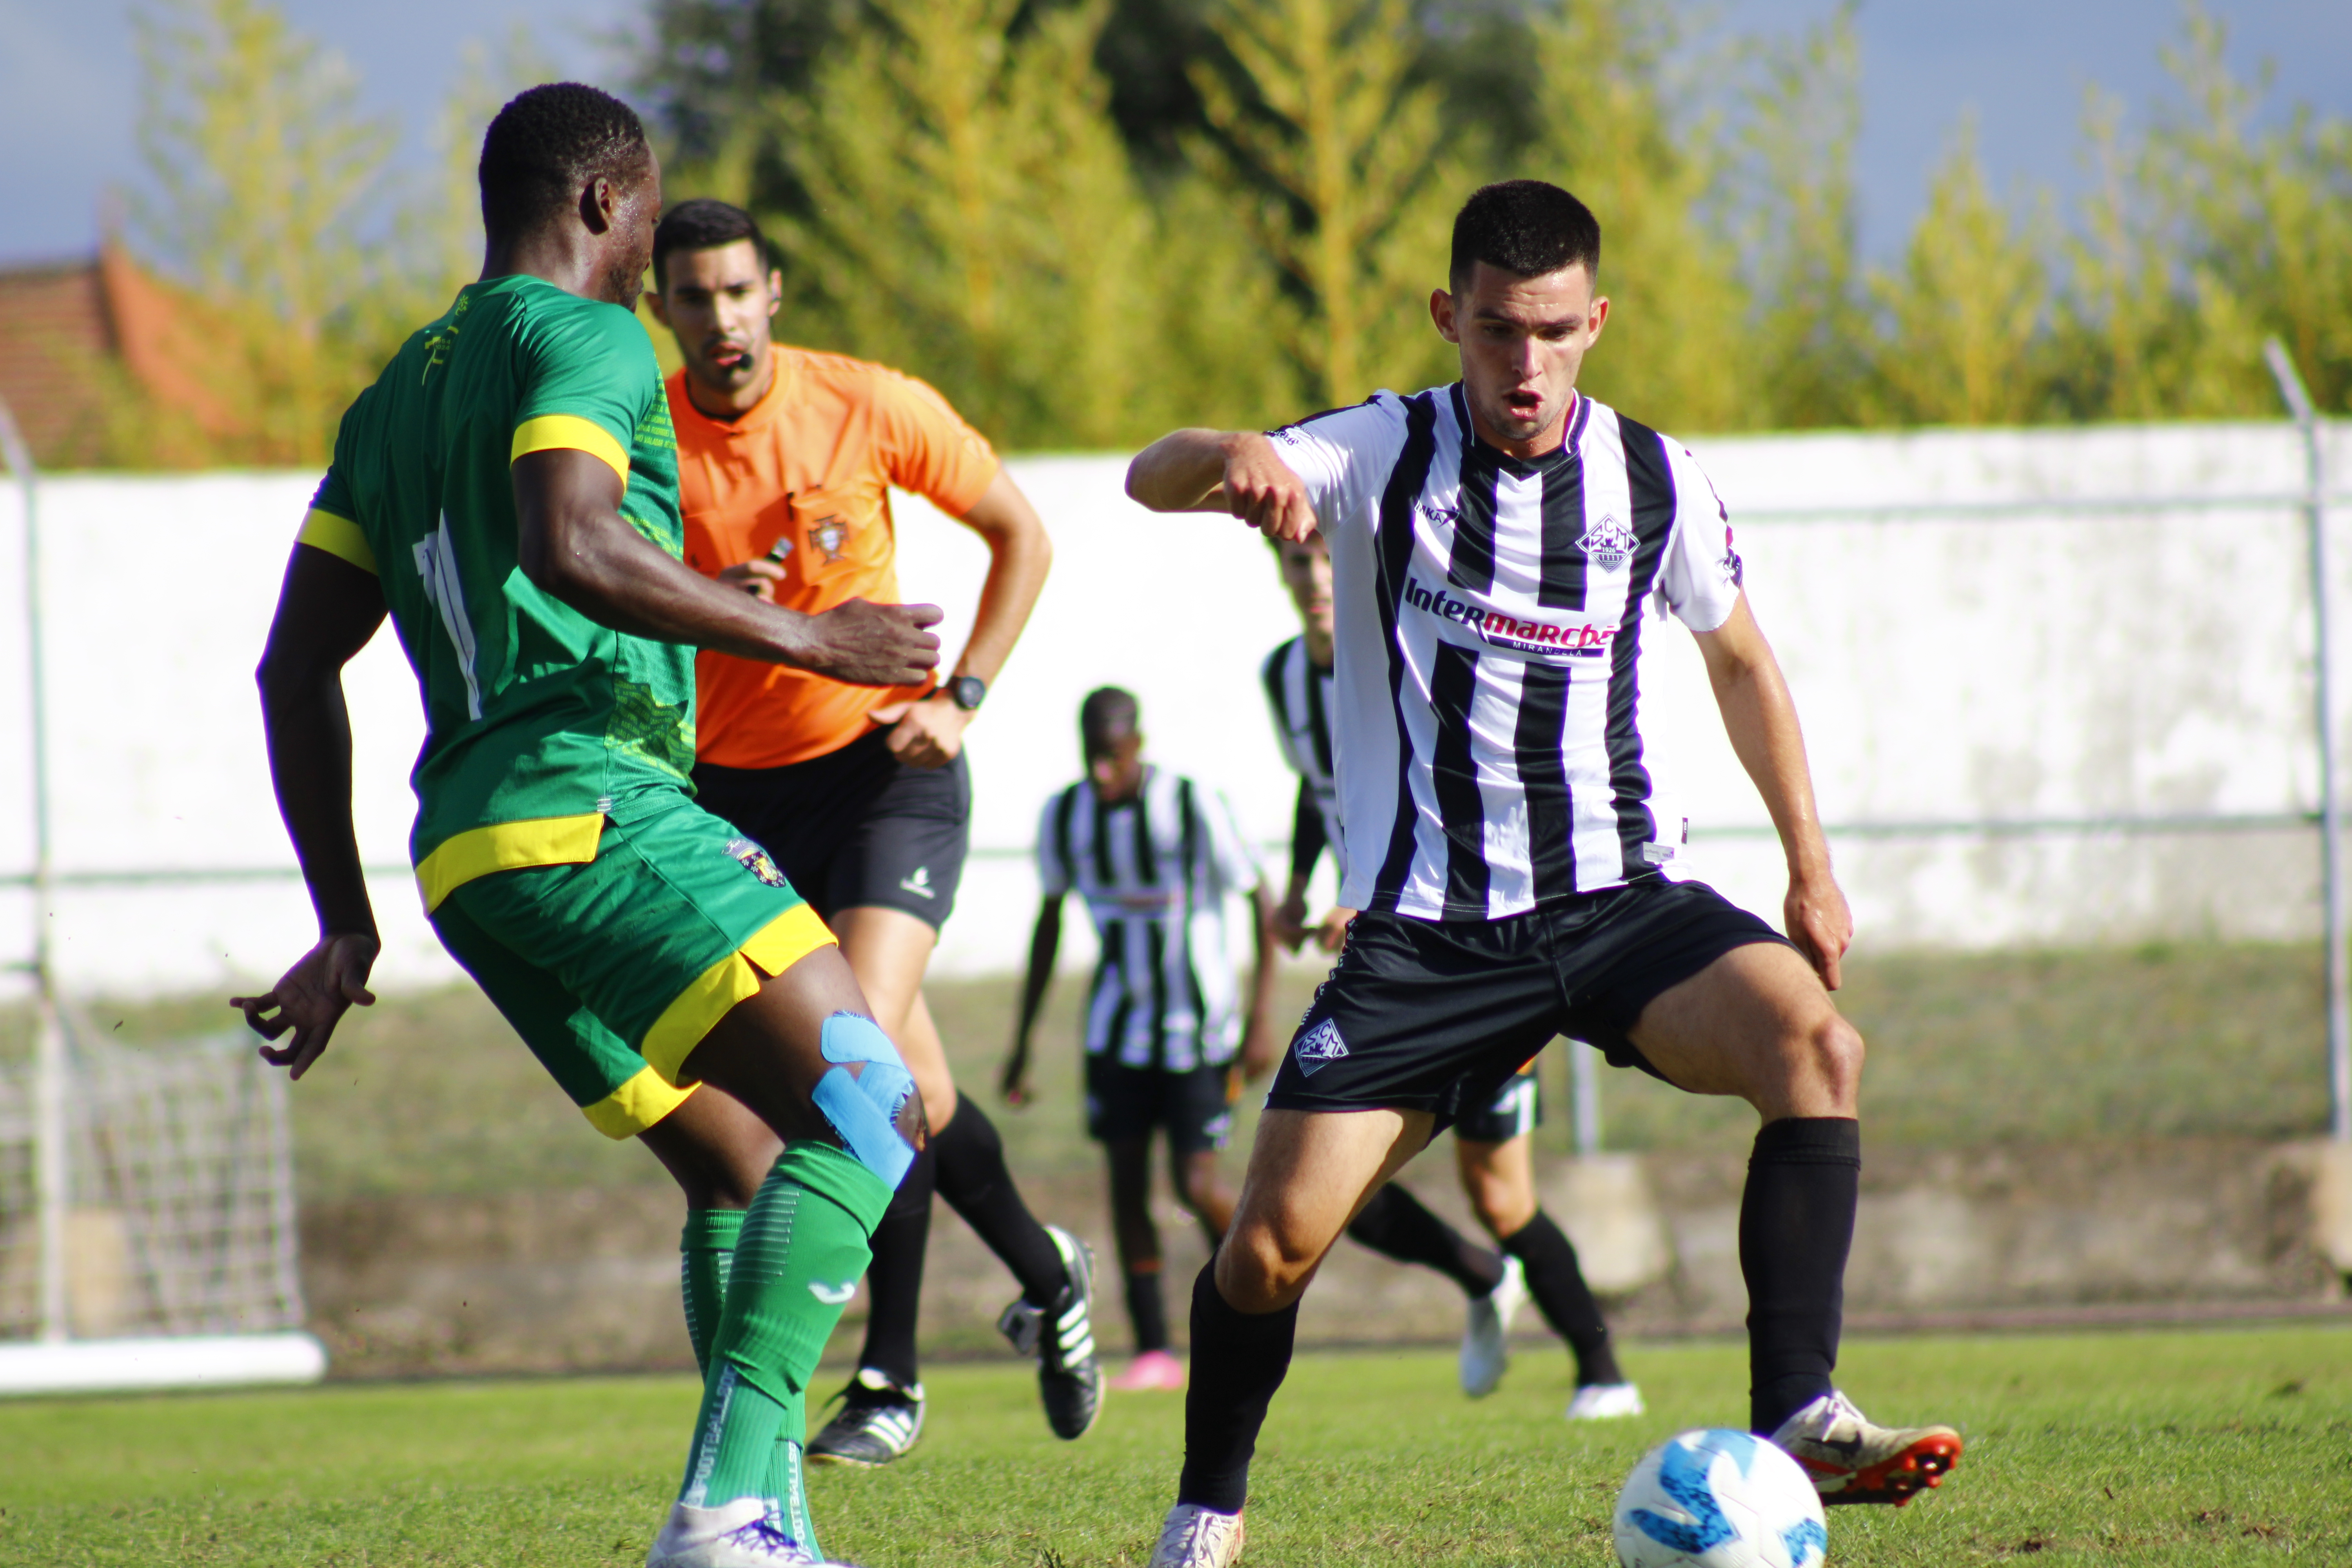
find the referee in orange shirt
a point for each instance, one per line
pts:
(785, 462)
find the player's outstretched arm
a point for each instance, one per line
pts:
(574, 545)
(1235, 471)
(1761, 721)
(327, 611)
(1044, 946)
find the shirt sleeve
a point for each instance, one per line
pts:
(925, 445)
(1308, 839)
(1052, 876)
(1701, 575)
(1339, 455)
(1230, 859)
(590, 381)
(332, 523)
(1269, 676)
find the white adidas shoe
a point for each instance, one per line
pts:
(1197, 1537)
(1605, 1401)
(738, 1535)
(1486, 1335)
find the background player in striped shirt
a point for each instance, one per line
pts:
(786, 460)
(1167, 1040)
(1493, 1146)
(1495, 543)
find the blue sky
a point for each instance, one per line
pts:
(68, 83)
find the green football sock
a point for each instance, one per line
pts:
(705, 1250)
(797, 1262)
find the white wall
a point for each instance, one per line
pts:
(2041, 663)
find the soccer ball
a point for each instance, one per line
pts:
(1719, 1498)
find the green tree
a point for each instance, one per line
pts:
(265, 178)
(1966, 310)
(1337, 166)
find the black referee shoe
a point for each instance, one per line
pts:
(1062, 1338)
(878, 1422)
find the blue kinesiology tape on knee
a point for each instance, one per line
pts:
(863, 1107)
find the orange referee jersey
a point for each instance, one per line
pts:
(803, 477)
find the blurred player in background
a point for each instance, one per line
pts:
(1494, 546)
(507, 491)
(786, 459)
(1494, 1144)
(1167, 1041)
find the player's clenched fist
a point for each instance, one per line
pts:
(1260, 489)
(1222, 471)
(866, 644)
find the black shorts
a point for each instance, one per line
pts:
(1126, 1105)
(1513, 1113)
(854, 827)
(1438, 1016)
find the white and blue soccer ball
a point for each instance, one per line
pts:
(1719, 1498)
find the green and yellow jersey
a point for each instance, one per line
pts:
(537, 719)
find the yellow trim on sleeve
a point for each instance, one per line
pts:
(338, 536)
(776, 947)
(569, 432)
(636, 1105)
(507, 846)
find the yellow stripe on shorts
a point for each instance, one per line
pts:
(569, 432)
(338, 537)
(507, 846)
(636, 1105)
(776, 947)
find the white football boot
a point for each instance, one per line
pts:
(1854, 1459)
(738, 1535)
(1605, 1401)
(1486, 1335)
(1197, 1537)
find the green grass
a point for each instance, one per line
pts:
(2199, 1447)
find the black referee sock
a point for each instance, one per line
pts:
(977, 1184)
(1238, 1360)
(1396, 1224)
(894, 1277)
(1147, 1311)
(1796, 1224)
(1563, 1297)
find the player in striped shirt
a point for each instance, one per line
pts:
(1494, 543)
(1492, 1143)
(1167, 1037)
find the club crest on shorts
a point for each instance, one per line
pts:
(1319, 1045)
(756, 860)
(1608, 543)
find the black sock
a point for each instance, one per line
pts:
(894, 1277)
(1563, 1297)
(1146, 1310)
(1238, 1360)
(1796, 1224)
(974, 1181)
(1394, 1223)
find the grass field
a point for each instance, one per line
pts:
(2204, 1448)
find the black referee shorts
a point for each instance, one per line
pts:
(854, 827)
(1439, 1015)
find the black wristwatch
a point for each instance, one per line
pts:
(967, 691)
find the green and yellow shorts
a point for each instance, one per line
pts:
(616, 963)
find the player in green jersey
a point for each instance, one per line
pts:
(507, 492)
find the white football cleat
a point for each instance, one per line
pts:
(738, 1535)
(1854, 1459)
(1605, 1401)
(1197, 1537)
(1485, 1336)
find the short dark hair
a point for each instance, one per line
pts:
(1107, 716)
(1525, 227)
(546, 143)
(705, 224)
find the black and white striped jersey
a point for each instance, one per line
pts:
(1486, 718)
(1298, 695)
(1154, 872)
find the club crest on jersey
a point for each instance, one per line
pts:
(1608, 543)
(756, 860)
(829, 535)
(1318, 1044)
